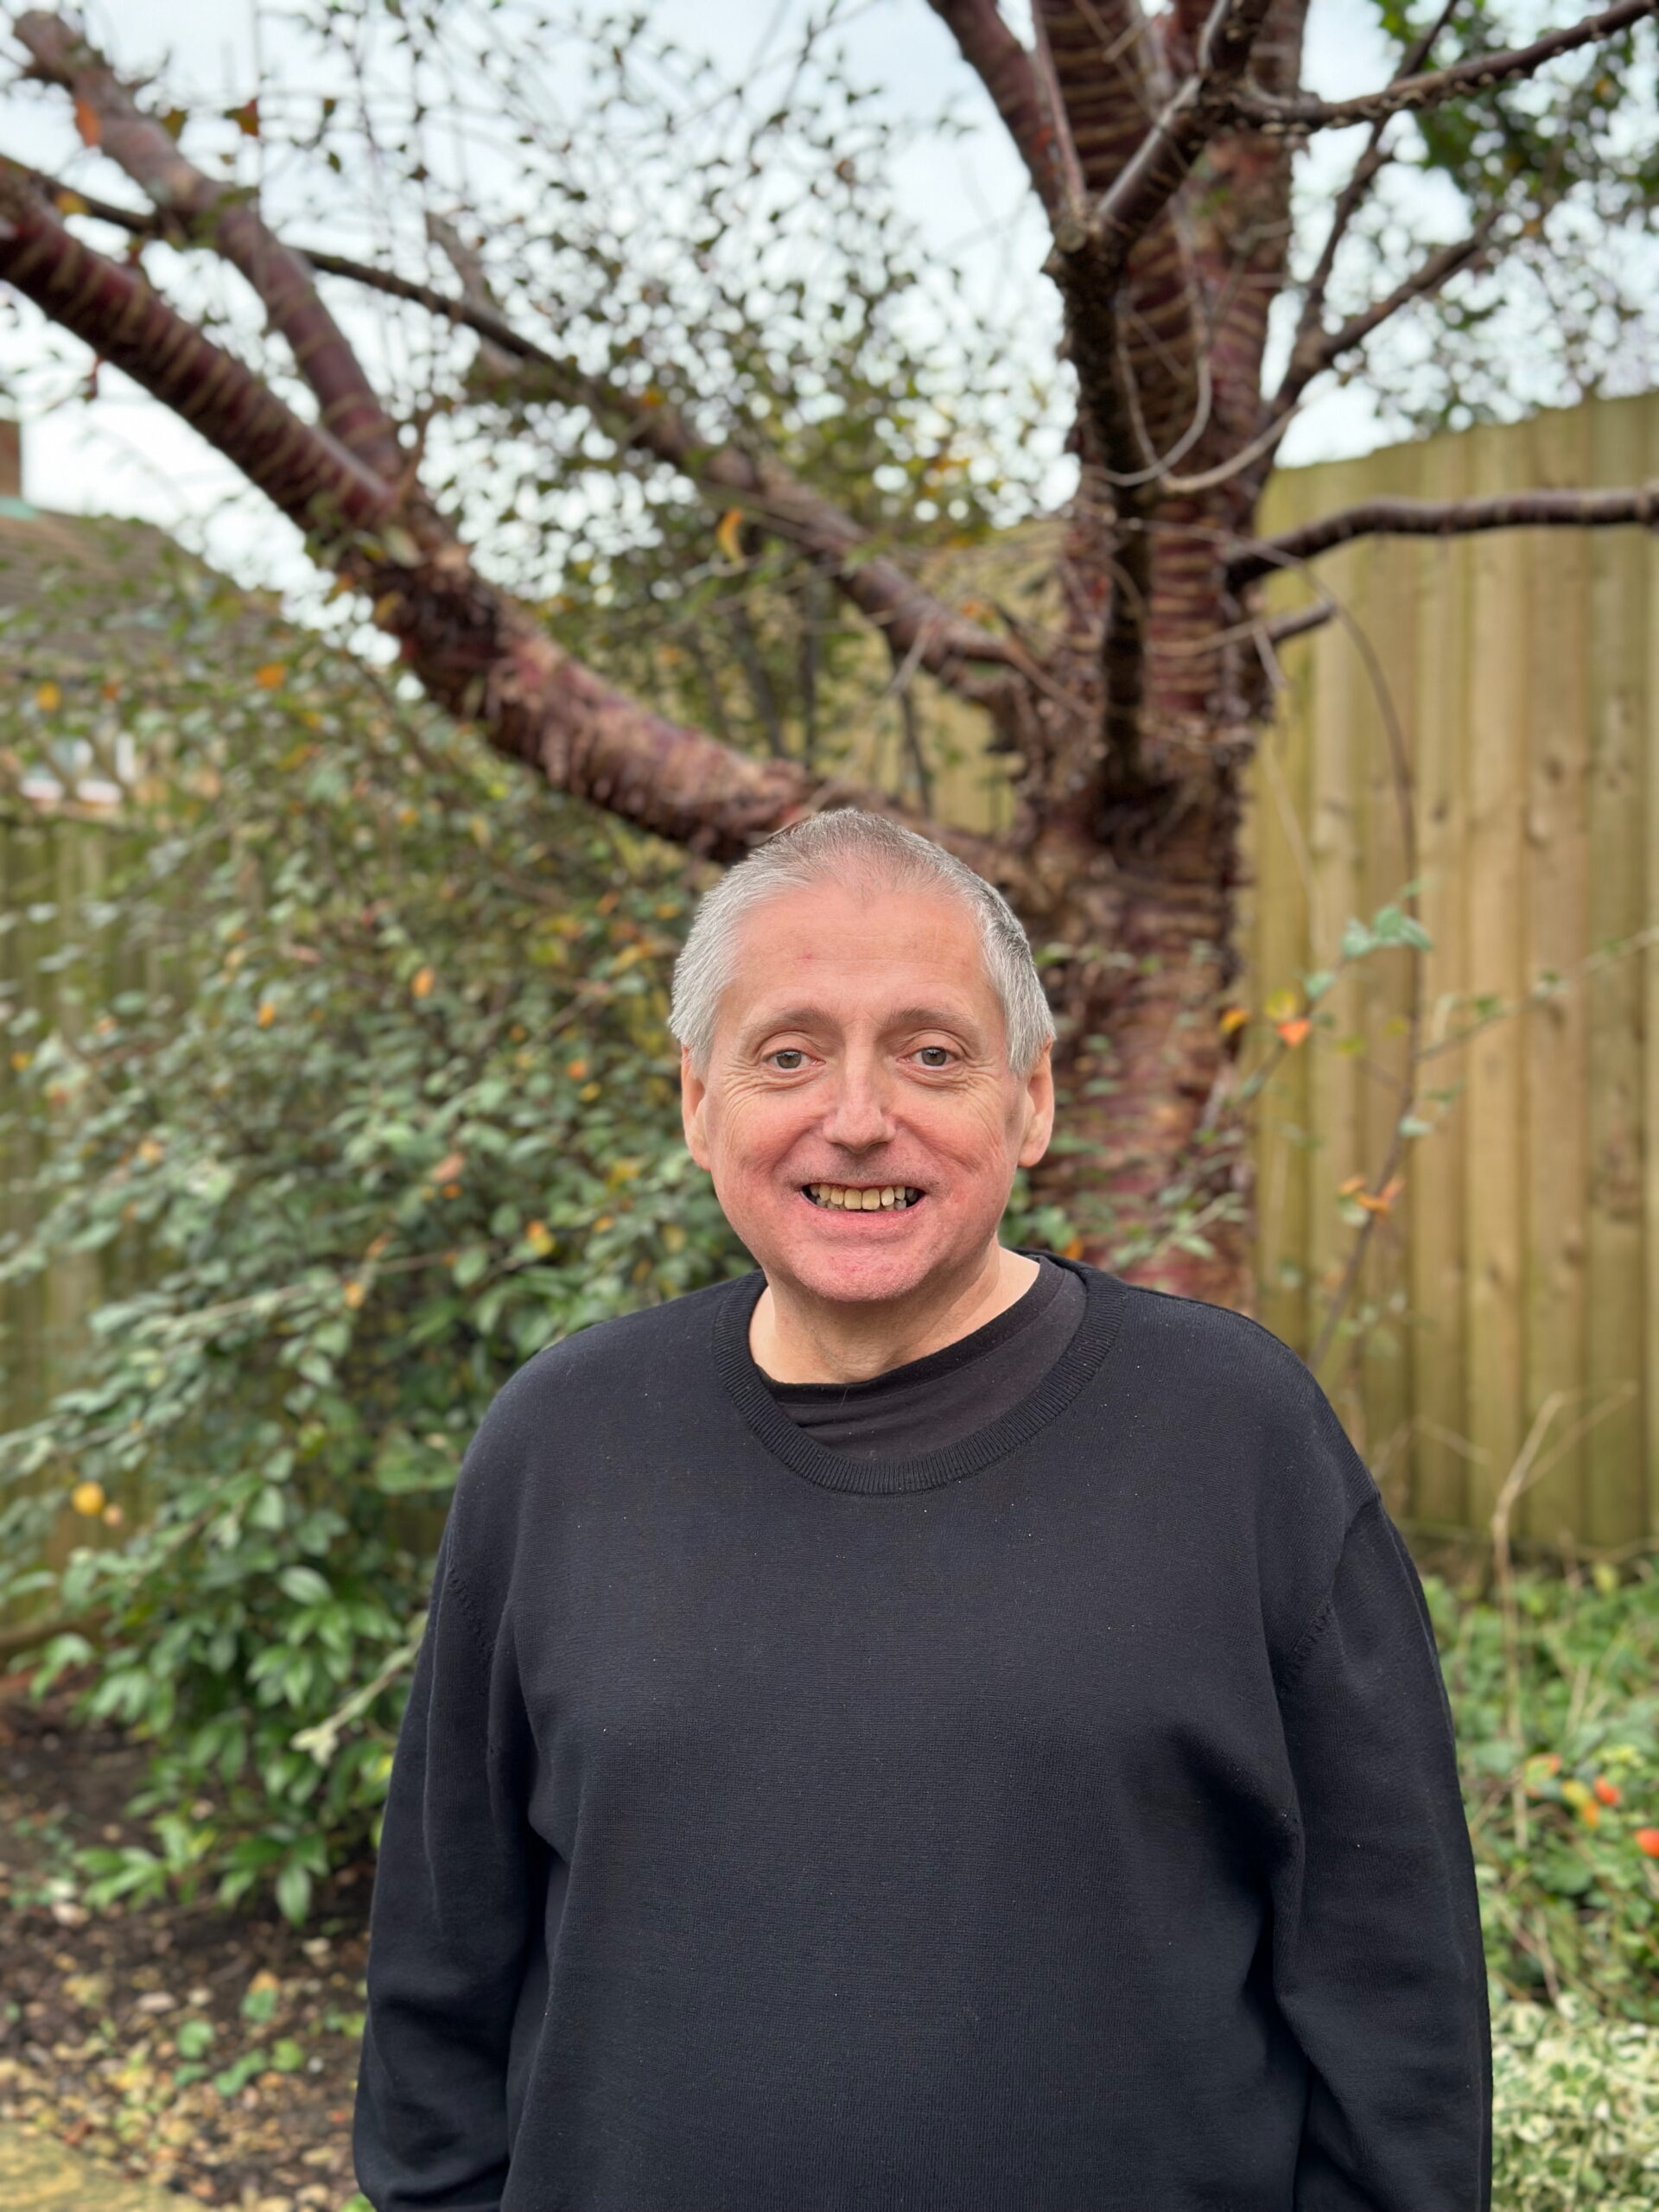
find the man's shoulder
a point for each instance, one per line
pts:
(624, 1360)
(1221, 1374)
(1204, 1343)
(558, 1418)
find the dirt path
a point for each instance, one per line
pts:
(37, 2174)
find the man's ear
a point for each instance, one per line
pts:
(1040, 1110)
(694, 1092)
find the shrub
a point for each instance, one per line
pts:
(1575, 2111)
(384, 1104)
(394, 1107)
(1556, 1699)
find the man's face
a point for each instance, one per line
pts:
(861, 1048)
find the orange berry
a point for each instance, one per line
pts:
(1609, 1792)
(1648, 1839)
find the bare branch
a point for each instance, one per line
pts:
(1310, 356)
(1537, 510)
(881, 590)
(1005, 69)
(490, 361)
(1478, 73)
(1284, 627)
(302, 469)
(226, 219)
(476, 652)
(1350, 198)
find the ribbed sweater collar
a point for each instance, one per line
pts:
(797, 1449)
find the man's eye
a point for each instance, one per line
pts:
(789, 1060)
(935, 1056)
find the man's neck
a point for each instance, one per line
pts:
(797, 1338)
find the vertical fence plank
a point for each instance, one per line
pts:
(1494, 1102)
(1385, 637)
(1437, 1215)
(1279, 950)
(1555, 1033)
(1614, 1478)
(1334, 1151)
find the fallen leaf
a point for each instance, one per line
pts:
(270, 678)
(726, 534)
(1232, 1017)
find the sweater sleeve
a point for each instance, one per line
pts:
(455, 1904)
(1377, 1959)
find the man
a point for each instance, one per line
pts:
(923, 1724)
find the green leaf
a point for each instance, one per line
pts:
(304, 1584)
(294, 1887)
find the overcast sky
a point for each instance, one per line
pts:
(121, 453)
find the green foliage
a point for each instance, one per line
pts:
(1560, 1769)
(1575, 2111)
(384, 1104)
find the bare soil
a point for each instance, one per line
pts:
(104, 2016)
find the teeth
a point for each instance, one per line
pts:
(884, 1196)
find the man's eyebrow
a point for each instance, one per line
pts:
(933, 1017)
(788, 1017)
(908, 1017)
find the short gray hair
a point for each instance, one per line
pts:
(833, 847)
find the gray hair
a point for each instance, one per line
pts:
(833, 847)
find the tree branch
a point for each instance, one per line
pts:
(228, 220)
(1480, 72)
(476, 652)
(1538, 509)
(1371, 162)
(1005, 69)
(1311, 356)
(881, 590)
(304, 470)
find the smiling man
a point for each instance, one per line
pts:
(924, 1725)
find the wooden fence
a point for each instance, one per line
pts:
(1483, 717)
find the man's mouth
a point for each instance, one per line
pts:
(854, 1197)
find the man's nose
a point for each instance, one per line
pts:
(859, 1116)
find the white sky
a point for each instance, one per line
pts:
(122, 454)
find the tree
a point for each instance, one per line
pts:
(1161, 149)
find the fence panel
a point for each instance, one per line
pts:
(1481, 716)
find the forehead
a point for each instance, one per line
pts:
(827, 943)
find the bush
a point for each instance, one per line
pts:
(394, 1108)
(1556, 1697)
(1575, 2111)
(385, 1104)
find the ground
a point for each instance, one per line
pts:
(104, 2019)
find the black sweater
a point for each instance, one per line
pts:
(1063, 1821)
